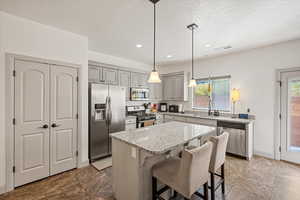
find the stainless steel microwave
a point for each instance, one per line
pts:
(139, 94)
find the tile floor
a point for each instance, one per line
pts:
(259, 179)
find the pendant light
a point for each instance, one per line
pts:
(154, 76)
(192, 27)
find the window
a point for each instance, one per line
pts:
(217, 89)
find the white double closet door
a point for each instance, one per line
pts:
(45, 120)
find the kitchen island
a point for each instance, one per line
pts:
(134, 152)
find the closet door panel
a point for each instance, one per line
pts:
(32, 122)
(63, 135)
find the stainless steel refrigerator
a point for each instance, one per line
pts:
(106, 116)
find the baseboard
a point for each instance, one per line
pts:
(264, 154)
(84, 164)
(2, 189)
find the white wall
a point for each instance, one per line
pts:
(28, 38)
(254, 73)
(21, 36)
(2, 111)
(121, 62)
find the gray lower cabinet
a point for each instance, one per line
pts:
(124, 77)
(95, 73)
(110, 76)
(240, 141)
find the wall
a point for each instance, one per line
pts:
(2, 112)
(120, 62)
(21, 36)
(254, 73)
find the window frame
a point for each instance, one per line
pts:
(213, 78)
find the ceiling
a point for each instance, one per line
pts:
(116, 26)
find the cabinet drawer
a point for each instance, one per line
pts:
(179, 119)
(207, 122)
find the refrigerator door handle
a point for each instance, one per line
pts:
(107, 110)
(110, 113)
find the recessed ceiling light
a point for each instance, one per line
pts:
(139, 46)
(169, 56)
(208, 45)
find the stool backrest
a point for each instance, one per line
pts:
(194, 168)
(219, 151)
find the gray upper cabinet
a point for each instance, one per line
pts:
(174, 88)
(95, 73)
(110, 76)
(124, 78)
(155, 91)
(139, 80)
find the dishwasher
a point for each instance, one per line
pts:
(237, 141)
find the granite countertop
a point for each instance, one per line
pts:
(203, 116)
(162, 138)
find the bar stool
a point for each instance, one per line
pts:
(217, 162)
(184, 174)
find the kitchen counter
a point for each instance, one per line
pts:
(164, 137)
(205, 116)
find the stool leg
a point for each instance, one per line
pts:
(154, 188)
(223, 178)
(206, 191)
(212, 186)
(175, 194)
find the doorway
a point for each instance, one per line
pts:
(45, 120)
(290, 116)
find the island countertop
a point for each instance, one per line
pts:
(162, 138)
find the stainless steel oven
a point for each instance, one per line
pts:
(139, 94)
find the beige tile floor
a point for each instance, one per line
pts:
(259, 179)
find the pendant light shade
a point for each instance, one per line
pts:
(192, 83)
(154, 75)
(192, 27)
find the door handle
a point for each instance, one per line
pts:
(45, 126)
(107, 110)
(54, 125)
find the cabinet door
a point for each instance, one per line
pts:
(206, 122)
(155, 91)
(125, 82)
(110, 76)
(168, 118)
(169, 88)
(95, 73)
(143, 80)
(134, 79)
(139, 80)
(179, 88)
(124, 78)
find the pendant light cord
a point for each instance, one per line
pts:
(154, 40)
(192, 52)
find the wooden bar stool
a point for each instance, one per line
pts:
(217, 162)
(184, 174)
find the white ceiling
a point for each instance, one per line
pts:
(116, 26)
